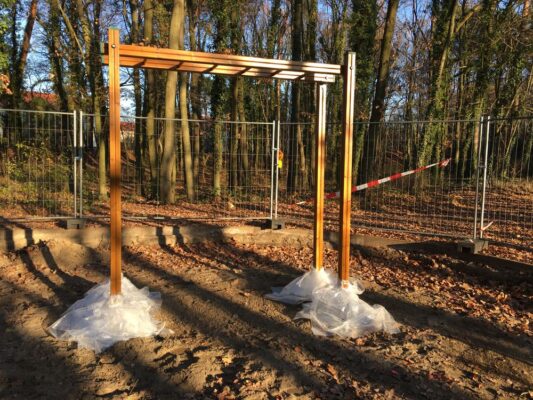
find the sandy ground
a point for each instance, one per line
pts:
(465, 329)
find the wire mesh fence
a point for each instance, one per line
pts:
(37, 177)
(455, 199)
(506, 210)
(227, 163)
(54, 165)
(435, 200)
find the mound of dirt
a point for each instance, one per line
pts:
(464, 334)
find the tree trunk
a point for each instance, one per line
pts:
(233, 170)
(151, 102)
(17, 79)
(294, 142)
(134, 7)
(219, 9)
(168, 159)
(98, 105)
(310, 55)
(54, 27)
(90, 57)
(378, 104)
(186, 137)
(272, 37)
(195, 92)
(244, 178)
(443, 35)
(77, 82)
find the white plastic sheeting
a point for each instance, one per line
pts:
(99, 320)
(332, 309)
(301, 289)
(340, 311)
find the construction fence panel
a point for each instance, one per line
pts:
(507, 203)
(230, 166)
(55, 165)
(295, 173)
(455, 197)
(38, 176)
(439, 200)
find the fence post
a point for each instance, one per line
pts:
(484, 182)
(75, 160)
(273, 166)
(478, 165)
(278, 128)
(80, 154)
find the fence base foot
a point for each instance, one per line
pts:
(75, 223)
(275, 223)
(472, 246)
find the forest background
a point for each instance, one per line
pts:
(427, 60)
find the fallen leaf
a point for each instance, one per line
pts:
(331, 369)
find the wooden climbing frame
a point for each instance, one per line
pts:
(117, 55)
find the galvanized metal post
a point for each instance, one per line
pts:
(81, 162)
(75, 160)
(320, 165)
(478, 166)
(484, 182)
(278, 128)
(273, 165)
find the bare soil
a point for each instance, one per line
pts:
(465, 326)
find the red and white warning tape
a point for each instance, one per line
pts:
(336, 195)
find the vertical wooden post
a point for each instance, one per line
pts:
(348, 74)
(320, 160)
(114, 160)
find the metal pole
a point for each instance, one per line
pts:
(273, 165)
(348, 75)
(484, 183)
(81, 163)
(277, 171)
(320, 165)
(75, 159)
(474, 236)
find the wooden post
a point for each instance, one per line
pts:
(320, 161)
(348, 74)
(114, 160)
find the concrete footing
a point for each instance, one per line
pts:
(276, 223)
(472, 246)
(75, 223)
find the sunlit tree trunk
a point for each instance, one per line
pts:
(295, 141)
(150, 101)
(362, 35)
(92, 66)
(21, 59)
(195, 91)
(168, 159)
(219, 9)
(137, 94)
(378, 104)
(56, 56)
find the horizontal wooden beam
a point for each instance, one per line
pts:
(222, 64)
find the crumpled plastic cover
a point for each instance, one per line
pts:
(340, 311)
(301, 289)
(99, 320)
